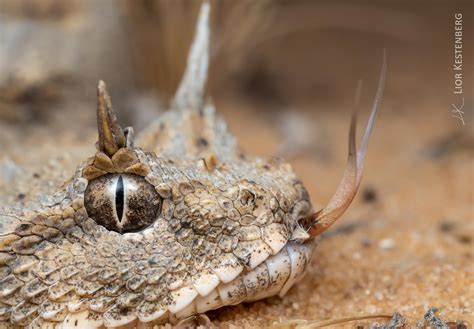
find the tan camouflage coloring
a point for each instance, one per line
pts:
(179, 226)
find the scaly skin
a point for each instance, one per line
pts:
(213, 226)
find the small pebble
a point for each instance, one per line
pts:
(465, 239)
(369, 194)
(366, 243)
(386, 244)
(447, 226)
(378, 295)
(460, 325)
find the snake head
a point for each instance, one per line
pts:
(136, 237)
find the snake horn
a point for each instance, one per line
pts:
(111, 135)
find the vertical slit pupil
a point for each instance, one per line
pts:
(119, 198)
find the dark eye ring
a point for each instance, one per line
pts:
(122, 202)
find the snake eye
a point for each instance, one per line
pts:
(122, 202)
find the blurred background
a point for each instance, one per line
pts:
(283, 74)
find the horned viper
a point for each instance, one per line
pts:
(173, 223)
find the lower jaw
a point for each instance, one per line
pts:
(275, 276)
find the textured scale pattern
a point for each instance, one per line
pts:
(212, 228)
(228, 229)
